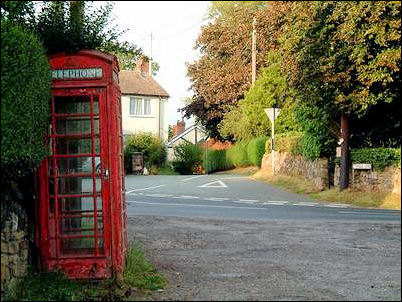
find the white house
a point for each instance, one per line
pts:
(144, 102)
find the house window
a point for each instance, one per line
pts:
(140, 107)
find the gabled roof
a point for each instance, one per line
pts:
(185, 132)
(133, 82)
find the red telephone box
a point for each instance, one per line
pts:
(81, 213)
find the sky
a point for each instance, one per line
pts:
(175, 26)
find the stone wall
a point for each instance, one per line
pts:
(14, 245)
(388, 180)
(295, 165)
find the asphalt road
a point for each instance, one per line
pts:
(227, 237)
(235, 197)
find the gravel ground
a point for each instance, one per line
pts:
(215, 260)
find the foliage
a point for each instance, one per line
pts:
(249, 119)
(152, 147)
(226, 9)
(139, 272)
(216, 160)
(288, 142)
(187, 158)
(18, 12)
(256, 150)
(378, 157)
(237, 154)
(222, 74)
(25, 97)
(54, 286)
(341, 57)
(69, 27)
(138, 275)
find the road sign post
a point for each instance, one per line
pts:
(272, 114)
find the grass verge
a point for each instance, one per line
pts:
(246, 171)
(300, 185)
(139, 279)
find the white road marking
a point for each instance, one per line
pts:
(186, 179)
(251, 200)
(220, 183)
(235, 177)
(275, 203)
(158, 195)
(194, 205)
(186, 197)
(335, 205)
(216, 198)
(143, 189)
(306, 204)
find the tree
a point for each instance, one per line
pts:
(345, 58)
(223, 73)
(249, 119)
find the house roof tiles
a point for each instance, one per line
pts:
(133, 82)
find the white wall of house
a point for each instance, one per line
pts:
(155, 121)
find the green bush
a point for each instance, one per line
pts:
(25, 100)
(378, 157)
(187, 158)
(216, 160)
(289, 142)
(237, 154)
(256, 150)
(152, 146)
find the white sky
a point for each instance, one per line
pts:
(175, 26)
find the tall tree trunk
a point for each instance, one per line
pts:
(344, 177)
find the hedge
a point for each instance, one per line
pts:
(237, 154)
(256, 150)
(216, 160)
(25, 100)
(378, 157)
(188, 158)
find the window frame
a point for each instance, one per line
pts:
(143, 99)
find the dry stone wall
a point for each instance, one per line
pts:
(14, 244)
(388, 180)
(296, 165)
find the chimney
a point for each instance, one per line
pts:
(142, 66)
(179, 127)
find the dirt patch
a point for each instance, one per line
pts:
(275, 260)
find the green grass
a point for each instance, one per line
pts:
(140, 273)
(365, 199)
(167, 170)
(139, 278)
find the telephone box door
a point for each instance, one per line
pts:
(79, 213)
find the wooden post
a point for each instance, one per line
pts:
(344, 173)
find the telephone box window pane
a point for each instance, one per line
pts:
(73, 104)
(78, 165)
(84, 205)
(76, 145)
(77, 226)
(77, 246)
(74, 125)
(96, 104)
(78, 185)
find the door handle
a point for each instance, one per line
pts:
(106, 173)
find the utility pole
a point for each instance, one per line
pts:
(150, 58)
(254, 52)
